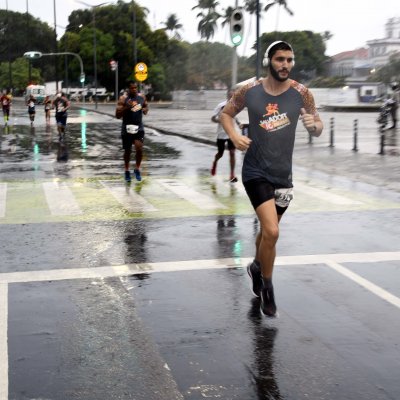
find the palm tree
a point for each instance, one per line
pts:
(172, 24)
(279, 3)
(206, 4)
(208, 20)
(227, 17)
(251, 7)
(208, 24)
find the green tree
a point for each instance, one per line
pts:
(20, 74)
(172, 24)
(389, 73)
(309, 49)
(19, 33)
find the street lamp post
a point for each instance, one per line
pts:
(258, 39)
(94, 44)
(37, 54)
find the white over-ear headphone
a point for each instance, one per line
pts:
(266, 58)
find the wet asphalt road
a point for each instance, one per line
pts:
(103, 300)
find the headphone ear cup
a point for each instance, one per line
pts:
(293, 63)
(265, 61)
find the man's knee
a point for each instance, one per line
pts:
(270, 234)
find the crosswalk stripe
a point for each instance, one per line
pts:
(324, 195)
(60, 199)
(127, 197)
(3, 341)
(3, 199)
(185, 192)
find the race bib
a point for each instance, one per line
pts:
(132, 129)
(283, 197)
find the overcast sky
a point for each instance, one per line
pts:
(352, 22)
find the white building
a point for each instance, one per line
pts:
(380, 50)
(360, 62)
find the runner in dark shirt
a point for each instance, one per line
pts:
(274, 105)
(130, 108)
(31, 103)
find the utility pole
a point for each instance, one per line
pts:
(234, 60)
(258, 39)
(134, 34)
(55, 44)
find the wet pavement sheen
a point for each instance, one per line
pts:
(102, 300)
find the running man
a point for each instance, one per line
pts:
(31, 103)
(61, 104)
(6, 100)
(47, 109)
(222, 140)
(274, 106)
(130, 108)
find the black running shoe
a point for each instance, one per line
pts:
(254, 272)
(268, 306)
(127, 176)
(137, 174)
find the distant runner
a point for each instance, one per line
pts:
(130, 108)
(6, 100)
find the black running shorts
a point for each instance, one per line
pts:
(221, 145)
(259, 191)
(128, 139)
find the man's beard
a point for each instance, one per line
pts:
(275, 74)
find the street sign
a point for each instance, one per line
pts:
(141, 72)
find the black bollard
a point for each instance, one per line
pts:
(355, 148)
(382, 150)
(332, 125)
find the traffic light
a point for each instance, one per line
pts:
(237, 26)
(113, 65)
(82, 78)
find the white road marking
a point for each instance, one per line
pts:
(185, 192)
(331, 260)
(3, 199)
(127, 197)
(176, 266)
(60, 199)
(324, 195)
(3, 341)
(382, 293)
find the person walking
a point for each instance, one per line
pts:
(6, 100)
(130, 108)
(47, 109)
(223, 141)
(395, 104)
(31, 103)
(61, 104)
(275, 104)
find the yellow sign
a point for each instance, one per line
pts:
(141, 71)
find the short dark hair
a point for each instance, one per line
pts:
(279, 46)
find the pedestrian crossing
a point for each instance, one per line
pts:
(58, 200)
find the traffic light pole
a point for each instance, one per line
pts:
(116, 83)
(234, 67)
(37, 54)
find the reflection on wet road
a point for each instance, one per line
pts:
(115, 291)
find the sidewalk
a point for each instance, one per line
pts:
(364, 165)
